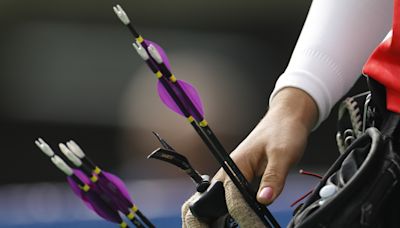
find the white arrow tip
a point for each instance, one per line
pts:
(43, 146)
(121, 14)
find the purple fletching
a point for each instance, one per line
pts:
(194, 96)
(119, 184)
(114, 191)
(187, 88)
(75, 188)
(190, 92)
(102, 208)
(93, 200)
(161, 52)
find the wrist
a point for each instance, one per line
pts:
(295, 106)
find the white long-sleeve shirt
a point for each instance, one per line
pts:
(337, 38)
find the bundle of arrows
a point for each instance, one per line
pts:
(101, 191)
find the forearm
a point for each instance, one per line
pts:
(337, 38)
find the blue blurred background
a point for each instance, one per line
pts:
(68, 71)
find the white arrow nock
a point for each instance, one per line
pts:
(71, 156)
(121, 14)
(154, 53)
(43, 146)
(141, 51)
(62, 165)
(75, 149)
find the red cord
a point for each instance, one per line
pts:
(301, 198)
(308, 193)
(310, 174)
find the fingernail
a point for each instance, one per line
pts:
(266, 193)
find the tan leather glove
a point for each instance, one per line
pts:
(188, 219)
(237, 207)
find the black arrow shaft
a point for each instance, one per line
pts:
(206, 134)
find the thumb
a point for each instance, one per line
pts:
(273, 180)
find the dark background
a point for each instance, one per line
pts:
(68, 71)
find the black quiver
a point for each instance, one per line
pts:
(364, 181)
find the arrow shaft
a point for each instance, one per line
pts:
(131, 216)
(200, 125)
(262, 212)
(144, 219)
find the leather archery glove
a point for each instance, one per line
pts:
(234, 205)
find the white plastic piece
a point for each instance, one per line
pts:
(75, 149)
(141, 51)
(205, 178)
(71, 156)
(43, 146)
(62, 165)
(326, 192)
(154, 53)
(121, 14)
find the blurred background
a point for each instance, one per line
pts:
(68, 71)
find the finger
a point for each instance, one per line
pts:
(244, 164)
(238, 208)
(273, 179)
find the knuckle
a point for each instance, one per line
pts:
(271, 175)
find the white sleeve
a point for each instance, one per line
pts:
(337, 38)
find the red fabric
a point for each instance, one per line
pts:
(384, 64)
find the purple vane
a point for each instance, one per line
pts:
(93, 200)
(103, 209)
(75, 188)
(109, 188)
(167, 99)
(186, 87)
(120, 185)
(190, 92)
(194, 96)
(161, 51)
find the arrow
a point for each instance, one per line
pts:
(183, 99)
(111, 188)
(82, 187)
(168, 154)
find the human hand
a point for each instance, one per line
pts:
(276, 143)
(270, 150)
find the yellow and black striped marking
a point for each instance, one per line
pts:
(172, 78)
(140, 39)
(97, 170)
(123, 225)
(94, 178)
(85, 188)
(134, 208)
(190, 119)
(203, 123)
(130, 216)
(159, 74)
